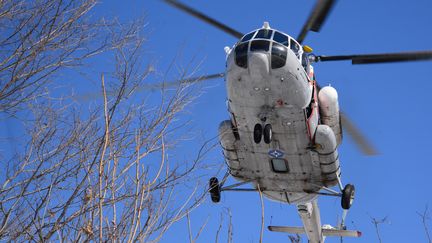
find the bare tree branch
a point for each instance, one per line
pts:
(425, 217)
(376, 222)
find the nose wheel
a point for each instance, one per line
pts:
(268, 133)
(260, 132)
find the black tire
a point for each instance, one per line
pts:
(215, 192)
(347, 196)
(258, 131)
(268, 134)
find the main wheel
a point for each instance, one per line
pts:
(258, 131)
(215, 190)
(268, 133)
(347, 196)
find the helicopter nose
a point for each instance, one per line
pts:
(258, 64)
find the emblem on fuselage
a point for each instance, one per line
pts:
(275, 153)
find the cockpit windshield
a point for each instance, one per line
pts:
(260, 45)
(248, 36)
(264, 34)
(281, 38)
(279, 55)
(266, 40)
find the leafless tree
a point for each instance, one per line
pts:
(41, 38)
(101, 172)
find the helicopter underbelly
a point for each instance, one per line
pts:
(269, 100)
(253, 162)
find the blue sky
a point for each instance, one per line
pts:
(390, 103)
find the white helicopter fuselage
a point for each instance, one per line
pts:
(265, 87)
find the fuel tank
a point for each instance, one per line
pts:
(326, 145)
(329, 111)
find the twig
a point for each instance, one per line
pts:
(376, 223)
(425, 217)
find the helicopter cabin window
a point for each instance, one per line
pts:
(279, 55)
(281, 38)
(247, 37)
(279, 165)
(295, 47)
(241, 51)
(260, 45)
(264, 34)
(305, 62)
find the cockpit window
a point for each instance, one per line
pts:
(241, 51)
(260, 45)
(279, 55)
(281, 38)
(295, 47)
(264, 34)
(247, 37)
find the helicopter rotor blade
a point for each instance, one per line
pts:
(316, 18)
(361, 141)
(156, 86)
(204, 18)
(380, 58)
(196, 79)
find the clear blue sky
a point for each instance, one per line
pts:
(390, 103)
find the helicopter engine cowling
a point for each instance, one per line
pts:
(329, 111)
(227, 141)
(326, 147)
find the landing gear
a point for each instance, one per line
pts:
(215, 190)
(258, 131)
(347, 196)
(267, 133)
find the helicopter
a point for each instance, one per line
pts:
(284, 129)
